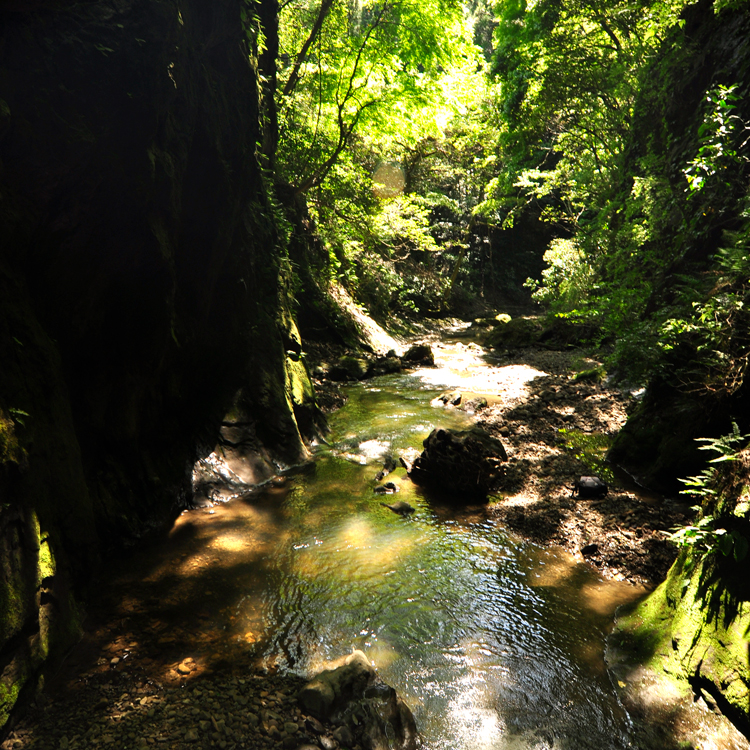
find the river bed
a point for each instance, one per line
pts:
(496, 643)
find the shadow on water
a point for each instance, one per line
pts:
(495, 643)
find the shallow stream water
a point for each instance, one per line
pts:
(495, 643)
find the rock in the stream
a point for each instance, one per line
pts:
(389, 464)
(367, 711)
(419, 354)
(452, 398)
(401, 507)
(389, 488)
(467, 462)
(385, 365)
(349, 367)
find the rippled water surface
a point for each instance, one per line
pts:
(493, 642)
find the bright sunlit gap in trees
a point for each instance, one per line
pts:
(493, 113)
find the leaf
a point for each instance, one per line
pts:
(725, 545)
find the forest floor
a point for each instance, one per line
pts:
(558, 430)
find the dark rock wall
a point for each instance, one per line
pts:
(140, 292)
(658, 443)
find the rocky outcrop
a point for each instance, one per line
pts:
(461, 462)
(142, 300)
(367, 711)
(692, 629)
(419, 355)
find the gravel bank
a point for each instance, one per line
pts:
(122, 710)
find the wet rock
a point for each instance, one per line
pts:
(388, 466)
(401, 507)
(349, 367)
(385, 365)
(389, 488)
(419, 354)
(368, 711)
(408, 457)
(452, 398)
(466, 462)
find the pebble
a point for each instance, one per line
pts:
(115, 709)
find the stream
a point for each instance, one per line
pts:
(494, 642)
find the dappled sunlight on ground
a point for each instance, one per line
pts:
(495, 643)
(462, 366)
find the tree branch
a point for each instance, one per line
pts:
(325, 7)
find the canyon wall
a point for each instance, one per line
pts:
(142, 292)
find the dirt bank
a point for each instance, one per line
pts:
(556, 415)
(558, 433)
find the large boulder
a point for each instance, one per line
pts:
(349, 367)
(351, 695)
(387, 365)
(518, 333)
(419, 354)
(460, 461)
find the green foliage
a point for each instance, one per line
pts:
(705, 538)
(716, 152)
(374, 68)
(567, 277)
(709, 535)
(584, 85)
(712, 332)
(590, 448)
(402, 225)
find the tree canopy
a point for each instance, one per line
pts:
(591, 116)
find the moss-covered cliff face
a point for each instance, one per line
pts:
(140, 292)
(696, 626)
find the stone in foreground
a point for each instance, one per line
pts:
(352, 695)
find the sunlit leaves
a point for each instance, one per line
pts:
(373, 66)
(716, 150)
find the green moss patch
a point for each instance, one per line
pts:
(10, 448)
(693, 630)
(590, 448)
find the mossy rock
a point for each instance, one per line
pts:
(693, 629)
(516, 333)
(658, 443)
(593, 375)
(562, 333)
(349, 367)
(10, 448)
(419, 354)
